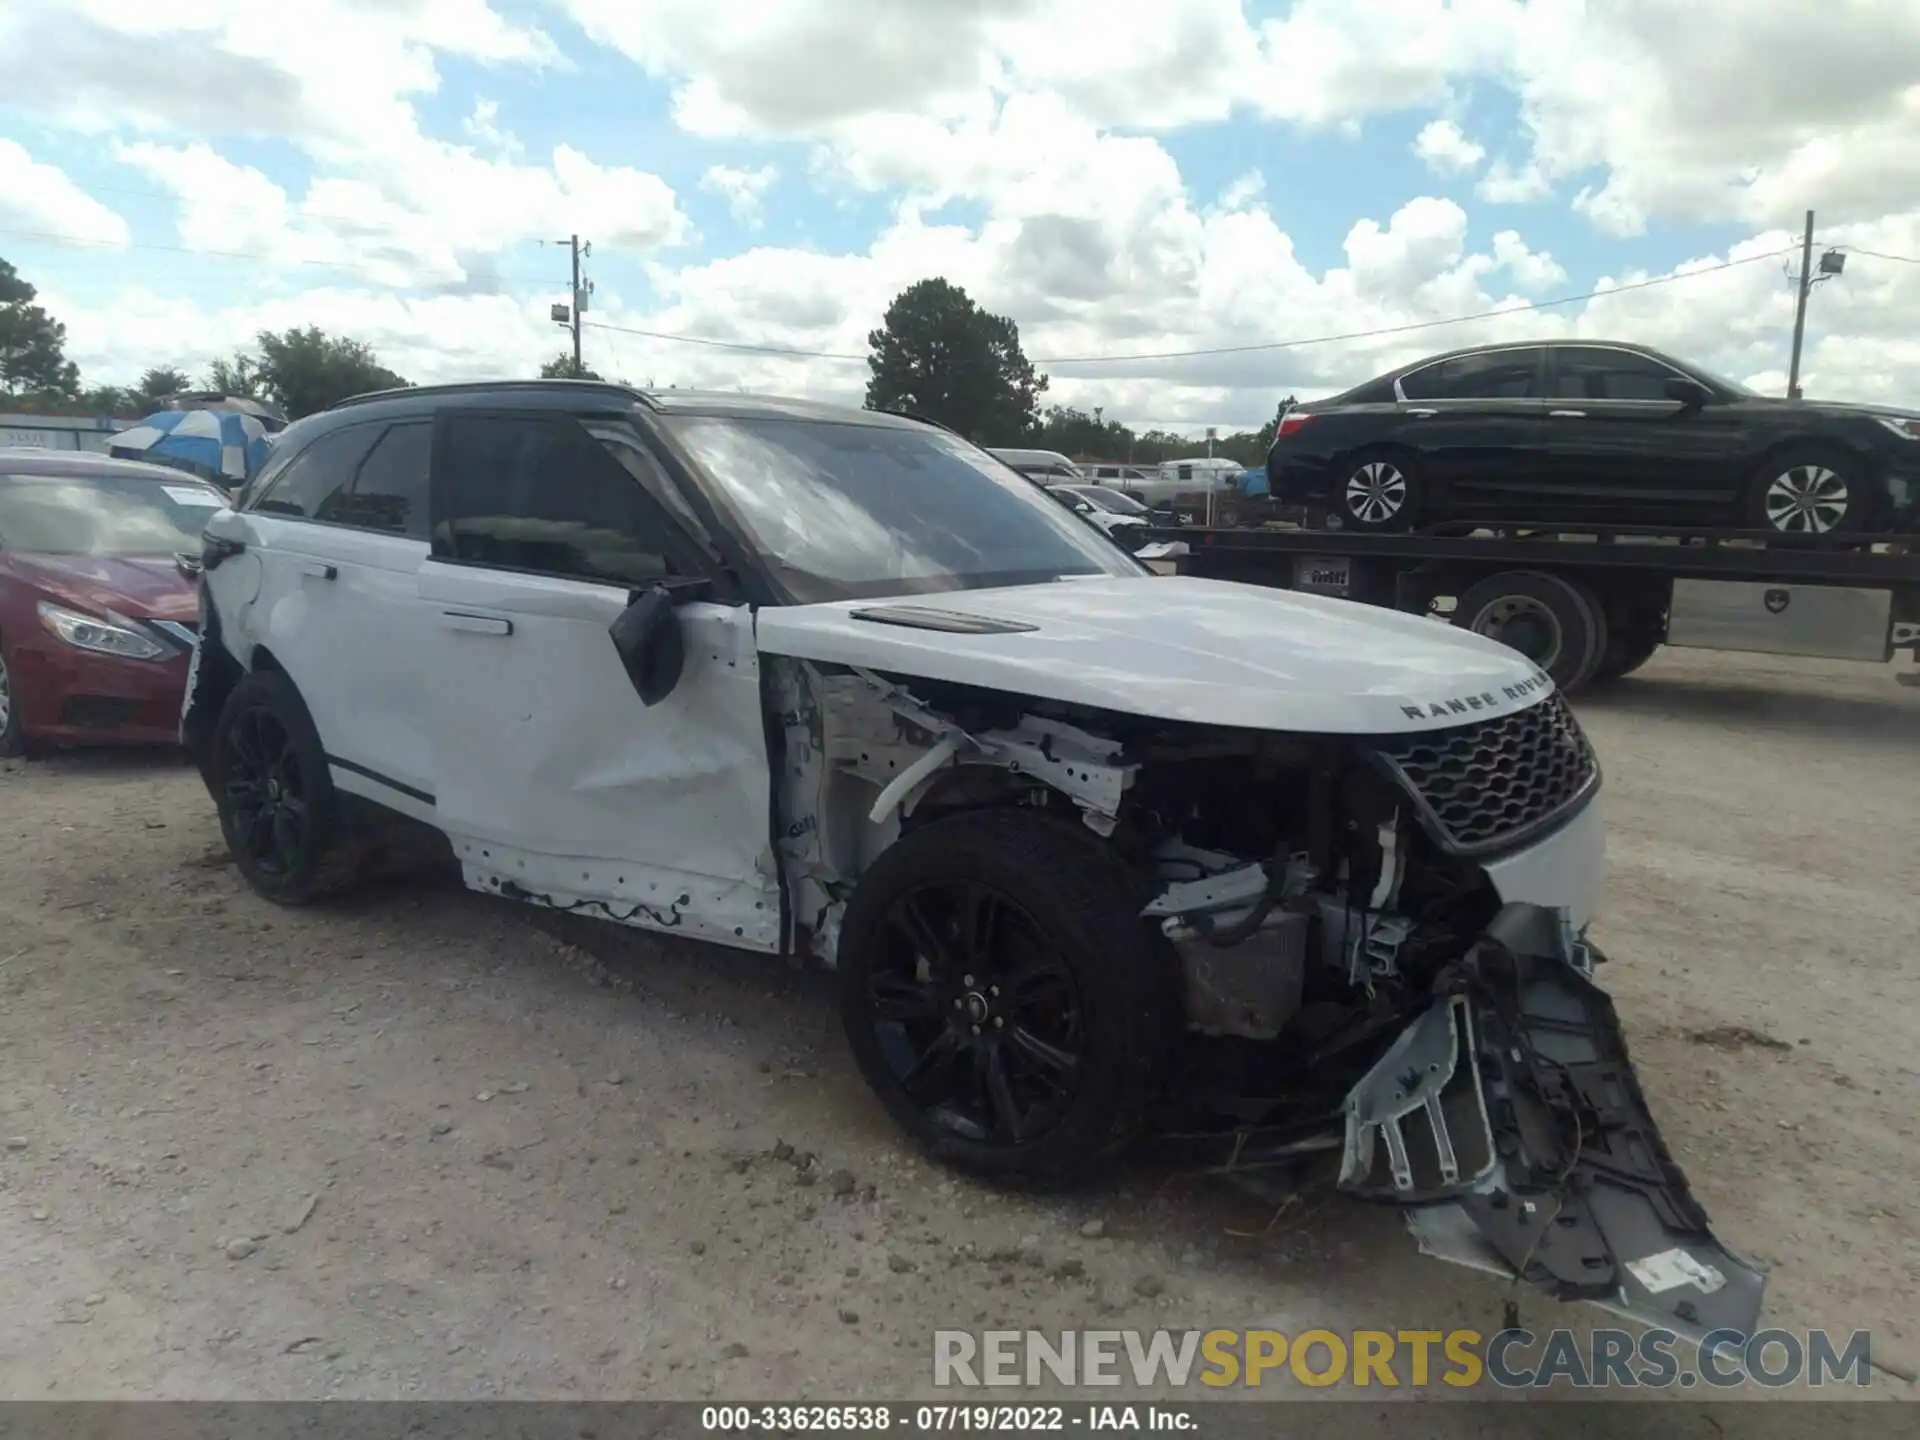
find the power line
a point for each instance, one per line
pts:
(1226, 349)
(721, 344)
(250, 255)
(1878, 255)
(1412, 326)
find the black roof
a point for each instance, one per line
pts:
(83, 464)
(541, 394)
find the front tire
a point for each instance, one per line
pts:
(1003, 997)
(1811, 491)
(13, 739)
(279, 811)
(1380, 490)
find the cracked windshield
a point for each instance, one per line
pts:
(980, 716)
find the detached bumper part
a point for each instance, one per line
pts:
(1510, 1114)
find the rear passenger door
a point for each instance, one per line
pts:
(340, 532)
(1618, 447)
(1477, 422)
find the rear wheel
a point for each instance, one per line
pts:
(1549, 619)
(1626, 652)
(1002, 996)
(1812, 491)
(1381, 490)
(278, 808)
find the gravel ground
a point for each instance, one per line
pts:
(426, 1144)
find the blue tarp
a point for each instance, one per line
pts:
(1254, 481)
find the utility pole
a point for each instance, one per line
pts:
(575, 244)
(582, 287)
(1799, 309)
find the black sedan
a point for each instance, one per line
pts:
(1593, 432)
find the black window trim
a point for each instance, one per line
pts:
(1540, 374)
(439, 499)
(279, 472)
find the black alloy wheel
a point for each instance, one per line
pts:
(265, 802)
(278, 808)
(978, 1018)
(1003, 997)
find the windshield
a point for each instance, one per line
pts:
(846, 511)
(106, 515)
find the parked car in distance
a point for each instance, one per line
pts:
(1571, 432)
(98, 604)
(1118, 501)
(1046, 466)
(1090, 850)
(1125, 478)
(1120, 519)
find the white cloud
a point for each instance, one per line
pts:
(339, 69)
(482, 126)
(423, 213)
(1244, 191)
(742, 189)
(1531, 269)
(1446, 149)
(1506, 184)
(39, 197)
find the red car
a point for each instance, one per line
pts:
(98, 597)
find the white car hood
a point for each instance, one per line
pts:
(1180, 648)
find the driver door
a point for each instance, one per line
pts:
(554, 782)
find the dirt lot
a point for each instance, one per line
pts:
(425, 1144)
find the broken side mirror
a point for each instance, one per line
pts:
(648, 638)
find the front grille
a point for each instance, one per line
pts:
(1486, 786)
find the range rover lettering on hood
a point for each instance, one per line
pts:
(1483, 700)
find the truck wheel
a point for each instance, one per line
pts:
(1549, 619)
(1003, 997)
(1808, 491)
(1626, 652)
(1380, 490)
(278, 809)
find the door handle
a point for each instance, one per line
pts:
(1568, 414)
(1422, 414)
(476, 624)
(319, 569)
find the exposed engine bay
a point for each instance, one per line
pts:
(1380, 946)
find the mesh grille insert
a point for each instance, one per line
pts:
(1486, 784)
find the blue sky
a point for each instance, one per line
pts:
(1124, 179)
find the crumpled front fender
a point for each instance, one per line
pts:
(1508, 1117)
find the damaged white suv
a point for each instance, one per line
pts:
(1096, 853)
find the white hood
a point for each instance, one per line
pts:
(1179, 648)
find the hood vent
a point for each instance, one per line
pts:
(923, 617)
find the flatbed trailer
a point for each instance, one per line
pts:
(1592, 606)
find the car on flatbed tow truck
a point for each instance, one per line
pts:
(1594, 606)
(1093, 853)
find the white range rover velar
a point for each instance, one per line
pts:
(1098, 855)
